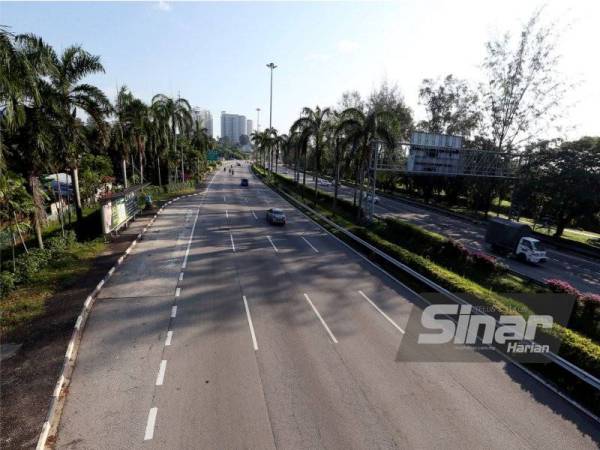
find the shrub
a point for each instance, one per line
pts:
(58, 244)
(7, 282)
(562, 287)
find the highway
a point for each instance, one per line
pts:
(581, 272)
(223, 332)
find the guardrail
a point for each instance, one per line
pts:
(574, 370)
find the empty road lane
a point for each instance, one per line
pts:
(223, 332)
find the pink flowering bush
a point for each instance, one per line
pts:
(561, 287)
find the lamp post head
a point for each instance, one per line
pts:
(271, 66)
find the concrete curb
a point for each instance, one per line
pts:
(50, 427)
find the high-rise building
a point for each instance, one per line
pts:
(249, 128)
(206, 117)
(232, 127)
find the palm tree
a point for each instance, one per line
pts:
(24, 59)
(179, 114)
(281, 144)
(314, 122)
(362, 130)
(28, 125)
(158, 136)
(121, 129)
(200, 141)
(70, 94)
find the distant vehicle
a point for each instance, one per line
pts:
(368, 196)
(276, 216)
(285, 172)
(244, 182)
(507, 237)
(324, 182)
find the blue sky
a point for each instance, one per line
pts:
(214, 54)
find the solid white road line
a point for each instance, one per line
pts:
(232, 244)
(254, 214)
(150, 424)
(174, 312)
(254, 343)
(227, 214)
(169, 338)
(160, 378)
(271, 241)
(177, 292)
(381, 312)
(187, 250)
(320, 318)
(311, 246)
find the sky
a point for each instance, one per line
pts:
(215, 54)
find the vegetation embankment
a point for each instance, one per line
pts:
(38, 274)
(63, 147)
(477, 278)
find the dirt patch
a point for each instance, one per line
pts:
(27, 379)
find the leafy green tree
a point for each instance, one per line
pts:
(451, 106)
(524, 92)
(563, 182)
(15, 206)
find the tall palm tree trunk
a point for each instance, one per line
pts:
(158, 170)
(124, 171)
(37, 214)
(75, 180)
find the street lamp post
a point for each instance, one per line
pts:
(257, 120)
(271, 66)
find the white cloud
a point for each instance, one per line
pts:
(163, 5)
(346, 46)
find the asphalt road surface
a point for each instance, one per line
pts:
(581, 272)
(280, 337)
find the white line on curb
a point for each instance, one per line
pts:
(149, 434)
(321, 319)
(381, 312)
(177, 292)
(254, 343)
(169, 337)
(232, 244)
(181, 276)
(174, 311)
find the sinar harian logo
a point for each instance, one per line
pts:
(512, 330)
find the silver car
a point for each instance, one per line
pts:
(276, 216)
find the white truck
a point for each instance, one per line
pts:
(512, 238)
